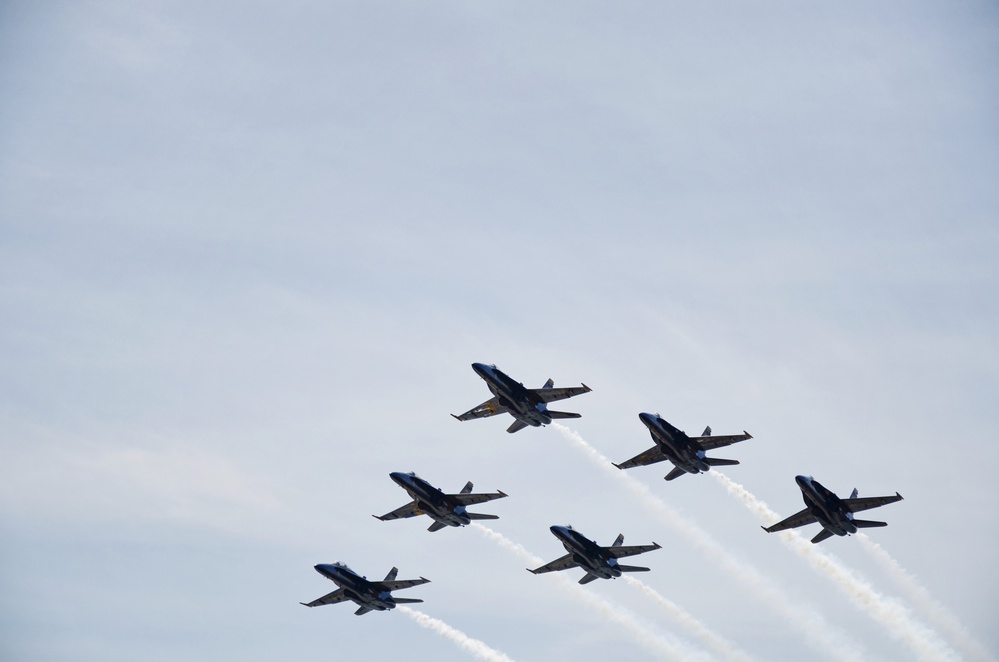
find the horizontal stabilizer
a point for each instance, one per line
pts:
(410, 601)
(632, 568)
(516, 427)
(436, 526)
(362, 611)
(563, 414)
(588, 578)
(822, 535)
(480, 516)
(868, 524)
(719, 462)
(676, 473)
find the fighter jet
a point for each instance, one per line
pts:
(687, 453)
(444, 509)
(598, 562)
(370, 595)
(834, 514)
(527, 405)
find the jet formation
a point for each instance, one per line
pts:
(833, 513)
(598, 562)
(686, 453)
(529, 408)
(371, 596)
(527, 405)
(444, 509)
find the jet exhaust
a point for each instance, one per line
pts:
(644, 635)
(477, 648)
(932, 611)
(827, 639)
(925, 643)
(725, 649)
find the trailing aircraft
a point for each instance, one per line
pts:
(444, 509)
(834, 514)
(598, 562)
(527, 405)
(687, 453)
(371, 596)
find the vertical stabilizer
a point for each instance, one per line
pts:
(707, 432)
(467, 489)
(392, 574)
(550, 383)
(853, 495)
(619, 541)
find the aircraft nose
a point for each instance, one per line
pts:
(480, 368)
(558, 530)
(648, 419)
(802, 481)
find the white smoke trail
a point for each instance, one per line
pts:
(819, 633)
(900, 623)
(932, 610)
(462, 640)
(622, 617)
(690, 624)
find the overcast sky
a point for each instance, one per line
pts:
(248, 252)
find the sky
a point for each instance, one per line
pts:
(248, 252)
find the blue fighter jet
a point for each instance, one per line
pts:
(598, 562)
(687, 453)
(527, 405)
(834, 514)
(444, 509)
(372, 596)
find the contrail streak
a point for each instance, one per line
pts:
(932, 610)
(459, 638)
(924, 642)
(819, 633)
(690, 624)
(622, 617)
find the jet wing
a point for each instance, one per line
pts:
(553, 394)
(336, 596)
(650, 456)
(409, 510)
(470, 499)
(707, 443)
(399, 584)
(487, 408)
(864, 503)
(620, 552)
(798, 519)
(561, 563)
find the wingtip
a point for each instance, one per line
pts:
(455, 417)
(588, 389)
(748, 436)
(502, 493)
(616, 465)
(899, 495)
(425, 579)
(304, 604)
(378, 518)
(530, 571)
(765, 529)
(656, 545)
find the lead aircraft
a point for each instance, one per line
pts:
(834, 514)
(372, 596)
(444, 509)
(598, 562)
(527, 405)
(687, 453)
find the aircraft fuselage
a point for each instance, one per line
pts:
(826, 507)
(519, 401)
(675, 444)
(357, 588)
(431, 500)
(586, 553)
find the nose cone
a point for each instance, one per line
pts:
(561, 532)
(401, 478)
(803, 481)
(481, 369)
(648, 419)
(328, 569)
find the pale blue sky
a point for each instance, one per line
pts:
(248, 252)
